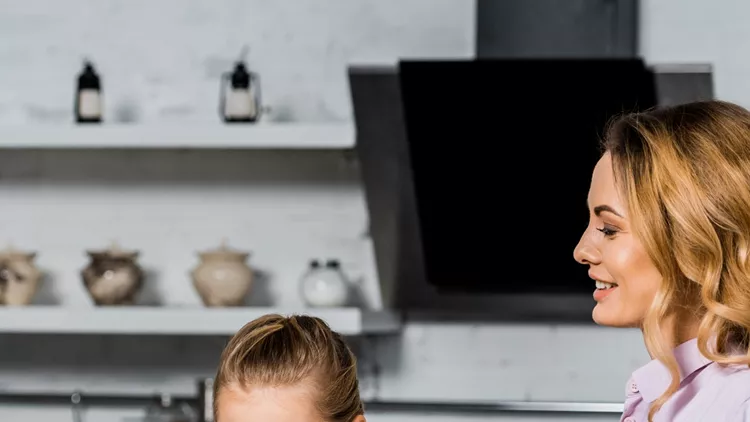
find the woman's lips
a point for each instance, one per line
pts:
(603, 289)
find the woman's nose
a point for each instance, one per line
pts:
(585, 252)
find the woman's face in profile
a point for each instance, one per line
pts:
(624, 277)
(269, 404)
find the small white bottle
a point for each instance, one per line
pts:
(324, 286)
(240, 96)
(88, 103)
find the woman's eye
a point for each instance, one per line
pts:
(607, 231)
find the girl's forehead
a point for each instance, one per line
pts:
(268, 404)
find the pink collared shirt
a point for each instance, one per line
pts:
(708, 392)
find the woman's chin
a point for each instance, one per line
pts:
(606, 315)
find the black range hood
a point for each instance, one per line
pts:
(476, 174)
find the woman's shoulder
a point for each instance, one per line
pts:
(729, 388)
(730, 378)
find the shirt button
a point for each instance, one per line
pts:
(633, 387)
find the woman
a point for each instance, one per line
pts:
(668, 245)
(287, 369)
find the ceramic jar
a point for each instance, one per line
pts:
(223, 277)
(19, 277)
(324, 285)
(113, 276)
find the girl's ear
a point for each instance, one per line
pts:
(360, 418)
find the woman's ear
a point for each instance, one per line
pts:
(360, 418)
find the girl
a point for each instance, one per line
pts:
(287, 369)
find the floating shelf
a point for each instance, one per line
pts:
(218, 136)
(196, 321)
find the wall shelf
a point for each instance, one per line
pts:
(213, 136)
(191, 321)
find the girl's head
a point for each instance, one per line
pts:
(669, 232)
(287, 369)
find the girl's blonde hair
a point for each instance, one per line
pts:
(685, 174)
(284, 351)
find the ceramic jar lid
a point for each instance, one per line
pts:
(10, 254)
(113, 251)
(224, 252)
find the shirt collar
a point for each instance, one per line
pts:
(653, 378)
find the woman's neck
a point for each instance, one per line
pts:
(679, 328)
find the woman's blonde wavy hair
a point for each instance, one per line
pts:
(685, 174)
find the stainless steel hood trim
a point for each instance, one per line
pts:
(681, 67)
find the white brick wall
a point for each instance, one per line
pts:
(162, 57)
